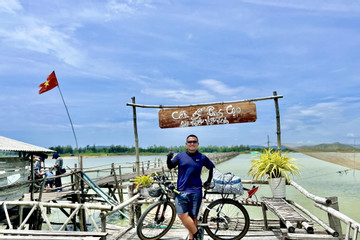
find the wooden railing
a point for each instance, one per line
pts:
(329, 205)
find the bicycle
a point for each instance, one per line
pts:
(223, 219)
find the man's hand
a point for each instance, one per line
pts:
(168, 160)
(170, 155)
(206, 185)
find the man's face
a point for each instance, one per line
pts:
(192, 144)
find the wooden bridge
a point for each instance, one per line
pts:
(287, 220)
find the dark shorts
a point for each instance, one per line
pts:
(188, 202)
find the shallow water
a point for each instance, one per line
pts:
(316, 176)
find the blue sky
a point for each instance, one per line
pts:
(177, 53)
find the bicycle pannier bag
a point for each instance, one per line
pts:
(227, 183)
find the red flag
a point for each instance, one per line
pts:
(50, 83)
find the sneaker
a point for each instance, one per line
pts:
(199, 235)
(59, 191)
(201, 231)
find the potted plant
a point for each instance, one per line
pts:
(143, 183)
(272, 165)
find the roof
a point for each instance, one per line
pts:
(7, 144)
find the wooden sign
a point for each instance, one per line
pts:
(208, 115)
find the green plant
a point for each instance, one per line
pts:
(143, 181)
(273, 164)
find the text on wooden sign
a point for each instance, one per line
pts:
(208, 115)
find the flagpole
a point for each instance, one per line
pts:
(67, 111)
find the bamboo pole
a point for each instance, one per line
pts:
(356, 231)
(116, 182)
(202, 104)
(311, 196)
(121, 183)
(7, 215)
(125, 203)
(333, 221)
(27, 217)
(60, 205)
(91, 219)
(43, 213)
(103, 221)
(82, 219)
(32, 177)
(72, 182)
(70, 217)
(278, 128)
(339, 215)
(136, 139)
(21, 214)
(78, 196)
(316, 219)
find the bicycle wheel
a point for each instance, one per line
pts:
(156, 221)
(226, 219)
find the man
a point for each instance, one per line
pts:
(37, 167)
(58, 167)
(189, 184)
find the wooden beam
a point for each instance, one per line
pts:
(202, 104)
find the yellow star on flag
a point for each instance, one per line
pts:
(50, 83)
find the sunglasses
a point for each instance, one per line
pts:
(192, 142)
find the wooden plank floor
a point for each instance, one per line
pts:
(181, 234)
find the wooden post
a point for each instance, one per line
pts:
(334, 222)
(72, 182)
(103, 221)
(116, 181)
(278, 128)
(142, 168)
(130, 189)
(21, 214)
(136, 139)
(82, 218)
(121, 183)
(76, 180)
(77, 196)
(137, 212)
(263, 207)
(32, 177)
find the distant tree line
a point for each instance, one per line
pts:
(118, 149)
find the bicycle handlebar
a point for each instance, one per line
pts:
(163, 179)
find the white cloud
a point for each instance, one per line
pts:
(40, 36)
(311, 5)
(314, 114)
(121, 8)
(10, 6)
(332, 120)
(180, 95)
(221, 88)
